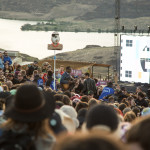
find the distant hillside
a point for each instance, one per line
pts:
(25, 57)
(91, 53)
(80, 9)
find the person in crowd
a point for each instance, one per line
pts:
(139, 89)
(32, 67)
(107, 91)
(137, 137)
(89, 85)
(50, 80)
(28, 119)
(12, 78)
(61, 69)
(44, 67)
(141, 100)
(102, 117)
(21, 79)
(7, 59)
(88, 141)
(66, 80)
(129, 116)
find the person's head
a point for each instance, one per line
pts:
(110, 84)
(90, 141)
(85, 99)
(92, 102)
(139, 133)
(49, 68)
(81, 105)
(139, 89)
(6, 65)
(87, 75)
(81, 116)
(35, 72)
(10, 76)
(122, 106)
(49, 74)
(129, 116)
(68, 93)
(141, 95)
(127, 109)
(30, 108)
(35, 63)
(5, 53)
(61, 68)
(23, 72)
(90, 94)
(66, 100)
(20, 76)
(5, 88)
(58, 97)
(71, 112)
(111, 99)
(68, 69)
(9, 84)
(18, 67)
(102, 115)
(136, 110)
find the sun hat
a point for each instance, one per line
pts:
(30, 104)
(71, 112)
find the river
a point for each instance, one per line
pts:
(34, 43)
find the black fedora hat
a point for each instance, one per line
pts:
(30, 104)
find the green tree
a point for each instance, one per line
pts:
(88, 30)
(76, 30)
(99, 30)
(26, 27)
(46, 28)
(55, 29)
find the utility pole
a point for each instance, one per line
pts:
(116, 34)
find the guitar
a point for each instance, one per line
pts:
(70, 85)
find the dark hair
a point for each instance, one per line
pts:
(141, 94)
(68, 93)
(136, 110)
(49, 73)
(66, 100)
(102, 115)
(92, 102)
(85, 98)
(68, 67)
(139, 133)
(110, 84)
(95, 141)
(81, 105)
(122, 106)
(87, 74)
(58, 97)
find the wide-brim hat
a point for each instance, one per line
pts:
(31, 105)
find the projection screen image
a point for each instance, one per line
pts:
(135, 58)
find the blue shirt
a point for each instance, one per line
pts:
(7, 59)
(106, 91)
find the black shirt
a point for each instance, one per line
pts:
(142, 102)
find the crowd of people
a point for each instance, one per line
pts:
(74, 113)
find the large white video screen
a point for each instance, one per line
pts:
(135, 58)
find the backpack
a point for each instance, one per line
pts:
(16, 141)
